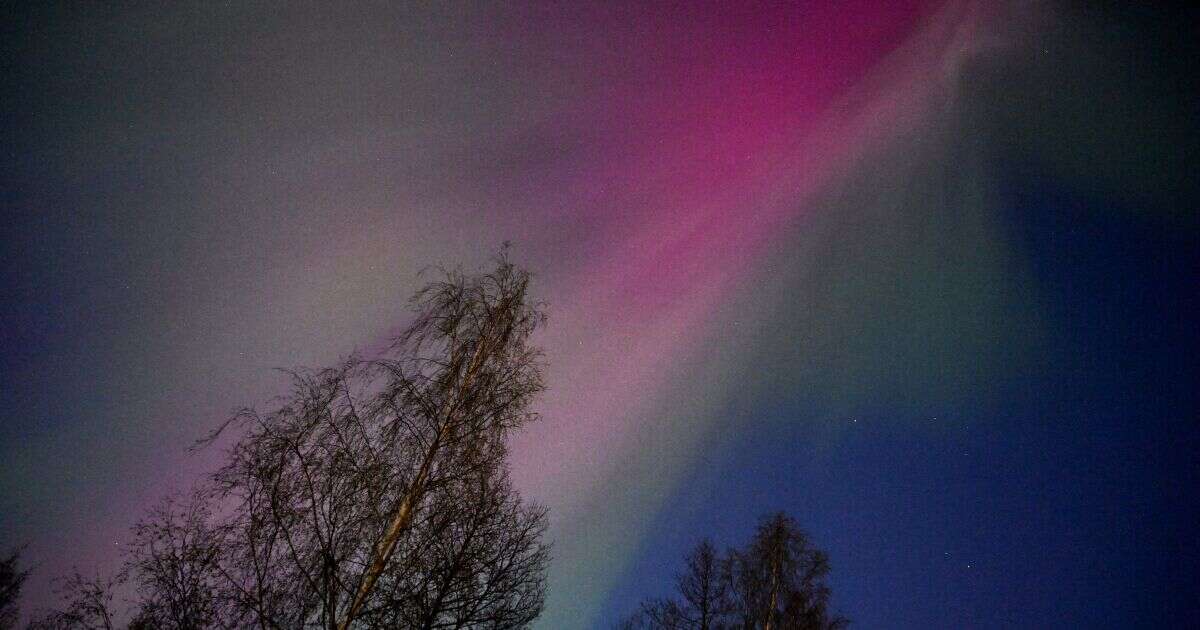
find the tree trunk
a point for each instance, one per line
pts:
(403, 515)
(400, 522)
(774, 599)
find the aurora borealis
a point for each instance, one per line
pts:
(920, 273)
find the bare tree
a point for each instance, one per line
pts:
(703, 601)
(704, 589)
(654, 614)
(481, 562)
(465, 377)
(12, 578)
(172, 564)
(778, 580)
(775, 583)
(87, 604)
(342, 494)
(374, 495)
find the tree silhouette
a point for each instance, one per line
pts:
(778, 580)
(87, 605)
(705, 593)
(479, 562)
(374, 495)
(172, 563)
(12, 578)
(775, 583)
(703, 601)
(462, 378)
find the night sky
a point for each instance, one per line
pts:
(922, 274)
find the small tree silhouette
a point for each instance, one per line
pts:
(12, 578)
(775, 583)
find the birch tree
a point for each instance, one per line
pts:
(702, 601)
(375, 494)
(775, 582)
(778, 580)
(341, 495)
